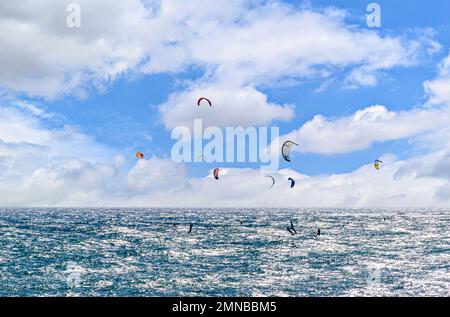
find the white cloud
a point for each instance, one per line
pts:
(156, 174)
(365, 127)
(242, 42)
(47, 58)
(43, 165)
(365, 187)
(274, 40)
(270, 44)
(232, 106)
(77, 185)
(425, 126)
(28, 177)
(361, 77)
(438, 90)
(19, 127)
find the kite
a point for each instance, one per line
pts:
(377, 163)
(273, 180)
(292, 182)
(140, 155)
(286, 149)
(216, 173)
(203, 98)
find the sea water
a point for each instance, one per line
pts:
(229, 252)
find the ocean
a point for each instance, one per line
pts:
(229, 252)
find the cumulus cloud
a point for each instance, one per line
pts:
(270, 44)
(19, 129)
(46, 58)
(42, 165)
(232, 106)
(246, 43)
(364, 187)
(425, 126)
(28, 180)
(365, 127)
(438, 90)
(156, 174)
(275, 40)
(432, 166)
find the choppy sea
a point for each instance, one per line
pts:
(229, 252)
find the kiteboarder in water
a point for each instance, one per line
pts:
(318, 233)
(291, 229)
(190, 228)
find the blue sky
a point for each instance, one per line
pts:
(125, 114)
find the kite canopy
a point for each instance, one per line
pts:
(286, 149)
(273, 180)
(216, 173)
(203, 98)
(140, 155)
(377, 163)
(292, 182)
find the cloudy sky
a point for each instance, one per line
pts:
(77, 103)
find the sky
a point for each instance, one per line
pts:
(77, 103)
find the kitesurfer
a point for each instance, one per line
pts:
(291, 229)
(318, 233)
